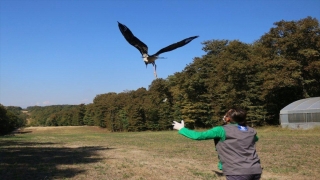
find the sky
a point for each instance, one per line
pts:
(69, 51)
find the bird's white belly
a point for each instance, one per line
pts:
(150, 59)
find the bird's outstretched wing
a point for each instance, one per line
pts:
(175, 45)
(134, 41)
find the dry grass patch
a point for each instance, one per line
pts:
(94, 153)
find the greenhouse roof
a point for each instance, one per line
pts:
(303, 105)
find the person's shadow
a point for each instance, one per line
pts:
(34, 160)
(218, 173)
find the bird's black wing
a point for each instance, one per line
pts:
(175, 45)
(134, 41)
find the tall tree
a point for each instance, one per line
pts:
(290, 52)
(88, 118)
(9, 120)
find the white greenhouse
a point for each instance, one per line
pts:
(301, 114)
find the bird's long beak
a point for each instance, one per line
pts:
(146, 64)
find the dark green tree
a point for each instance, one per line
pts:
(9, 120)
(88, 118)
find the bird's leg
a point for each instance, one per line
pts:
(155, 70)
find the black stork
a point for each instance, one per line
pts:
(143, 48)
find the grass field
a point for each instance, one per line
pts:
(94, 153)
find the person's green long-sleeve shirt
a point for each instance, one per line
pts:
(215, 133)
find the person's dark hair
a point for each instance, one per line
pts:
(238, 115)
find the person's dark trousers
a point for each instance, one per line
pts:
(244, 177)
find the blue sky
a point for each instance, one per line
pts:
(68, 51)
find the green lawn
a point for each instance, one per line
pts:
(94, 153)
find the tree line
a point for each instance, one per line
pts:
(262, 77)
(11, 118)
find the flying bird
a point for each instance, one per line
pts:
(143, 48)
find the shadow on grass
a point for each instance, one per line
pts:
(22, 132)
(28, 160)
(13, 133)
(218, 173)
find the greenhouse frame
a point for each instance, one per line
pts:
(301, 114)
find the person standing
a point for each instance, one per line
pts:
(235, 144)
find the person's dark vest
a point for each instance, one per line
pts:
(237, 153)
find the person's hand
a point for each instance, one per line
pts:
(177, 125)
